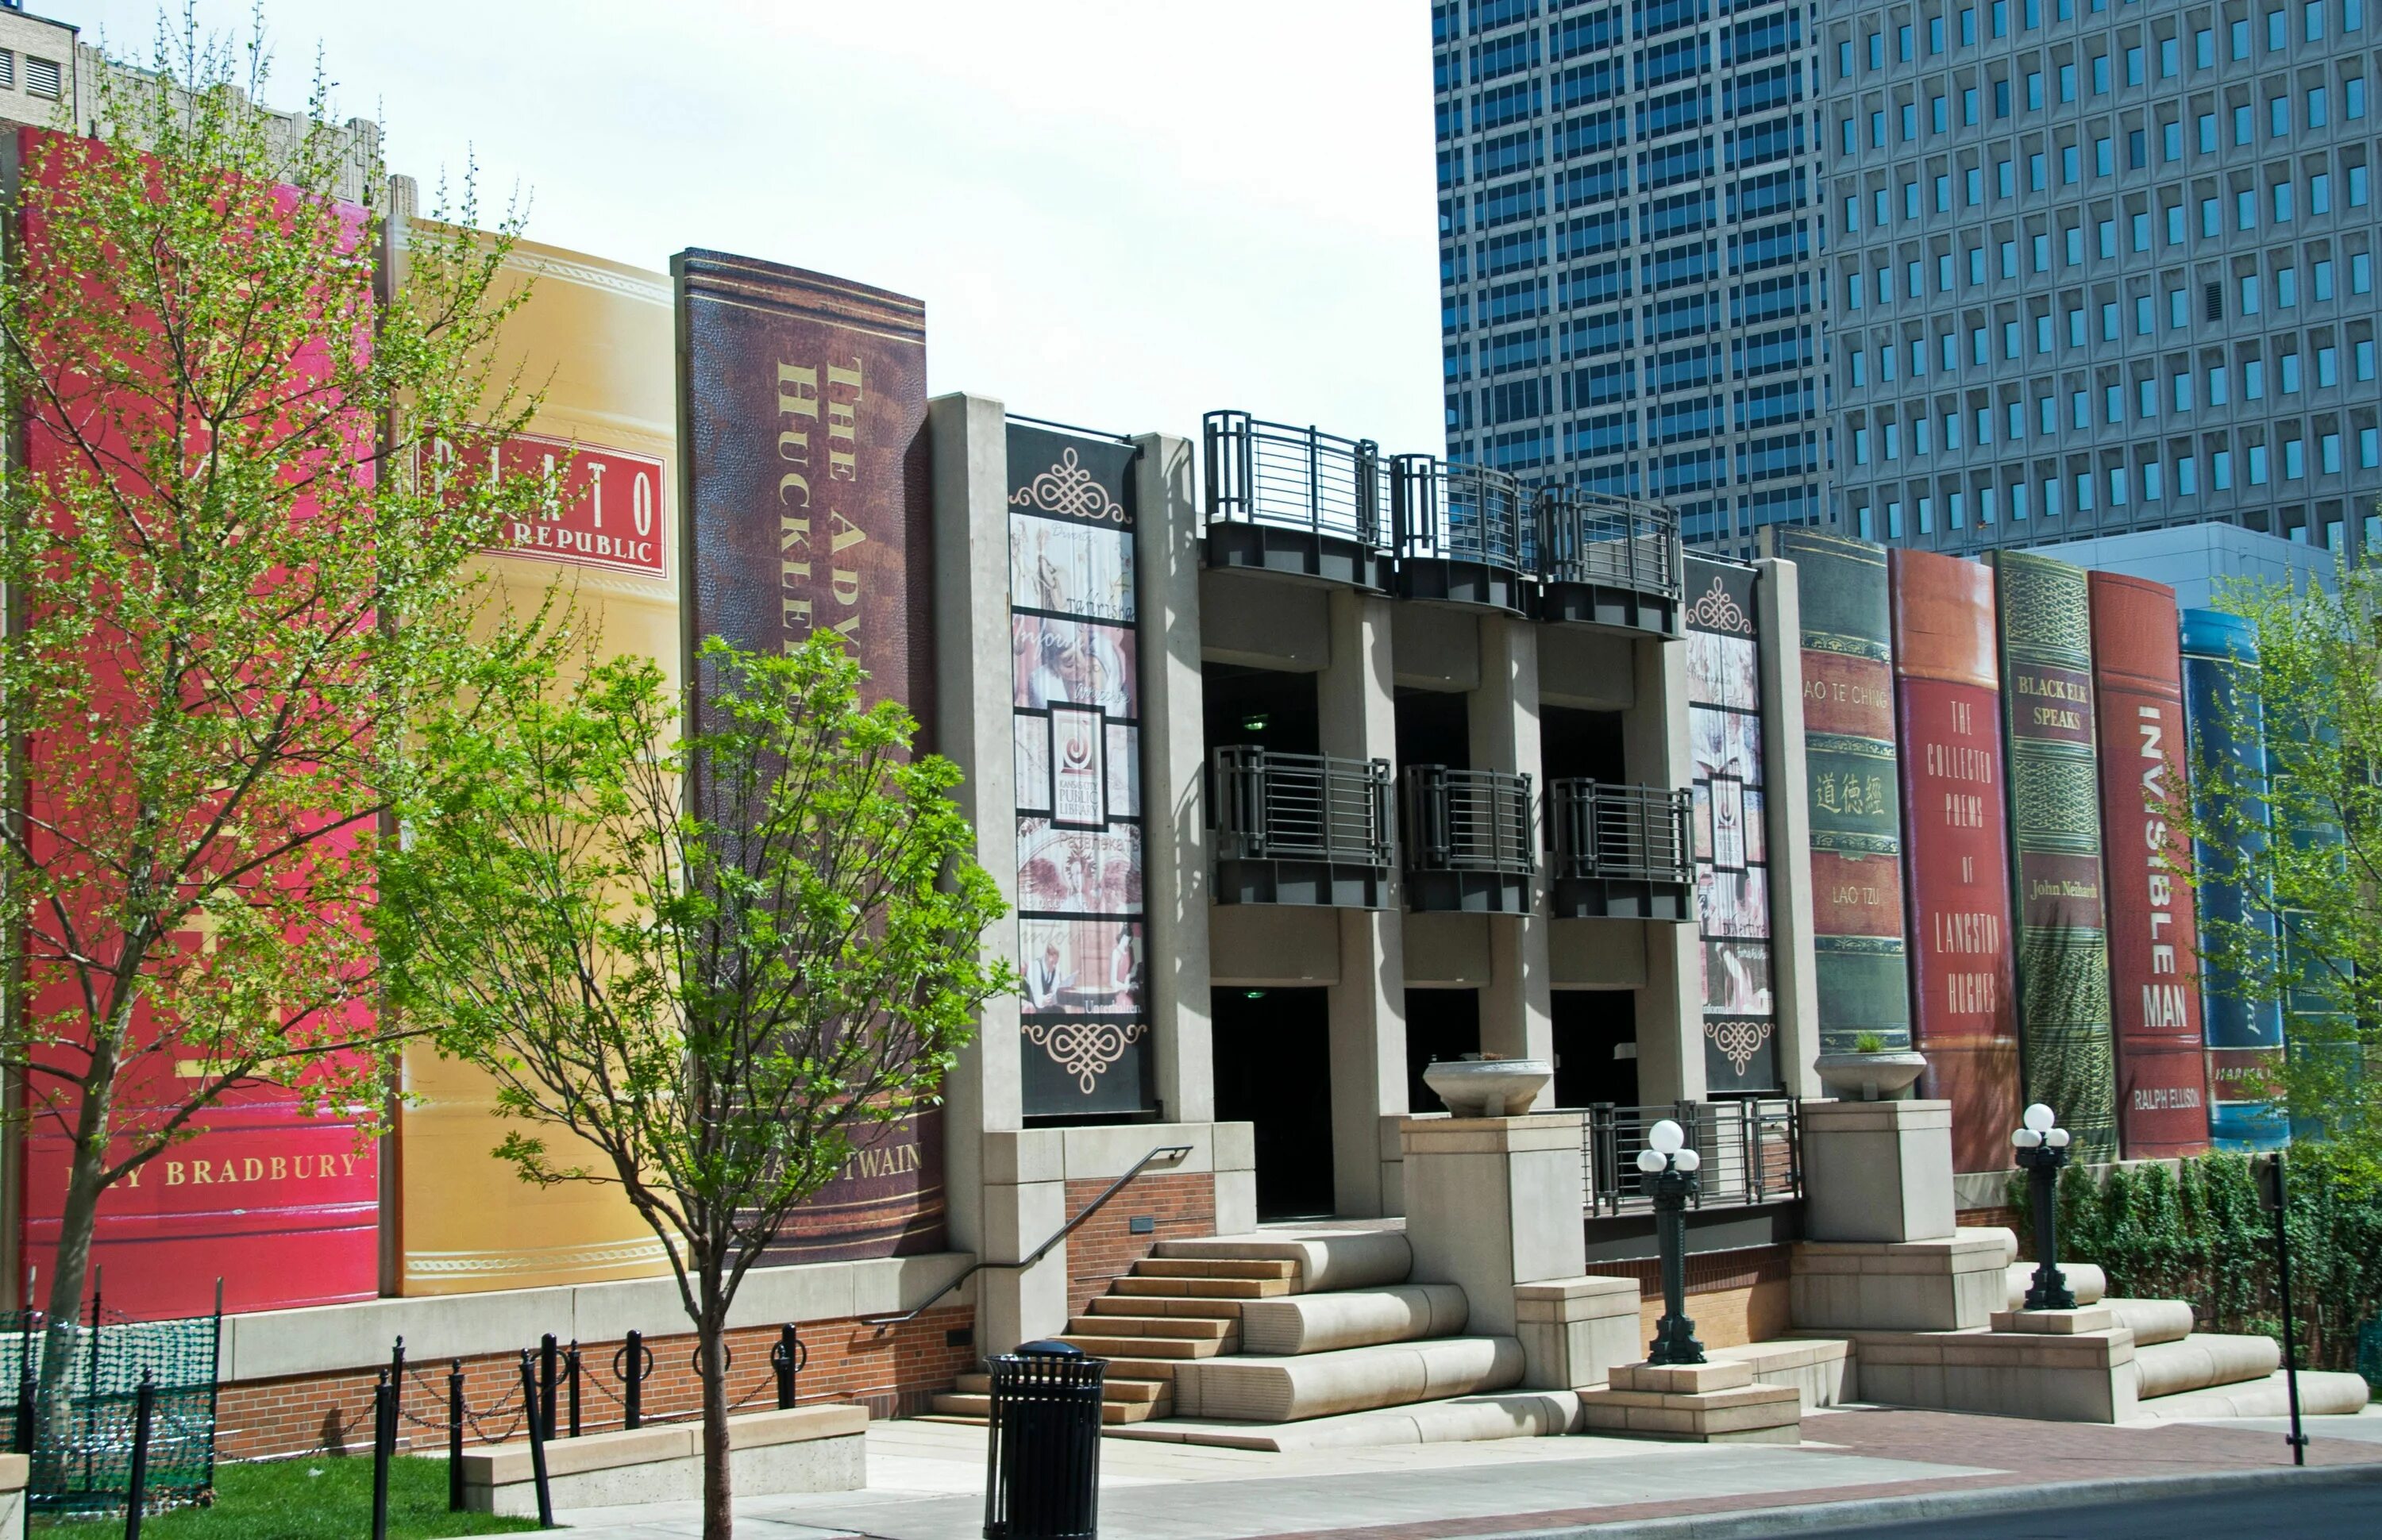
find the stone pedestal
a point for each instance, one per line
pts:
(1575, 1331)
(1877, 1171)
(1492, 1203)
(2054, 1323)
(1953, 1285)
(1716, 1402)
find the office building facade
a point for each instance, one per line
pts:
(1629, 229)
(2098, 267)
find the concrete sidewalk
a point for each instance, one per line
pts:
(926, 1481)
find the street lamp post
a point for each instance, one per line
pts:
(1671, 1168)
(2043, 1150)
(2275, 1197)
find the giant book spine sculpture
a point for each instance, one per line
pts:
(1956, 858)
(1856, 805)
(2153, 954)
(2065, 1046)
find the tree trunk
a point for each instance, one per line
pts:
(79, 1218)
(719, 1486)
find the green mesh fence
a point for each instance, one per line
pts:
(70, 1394)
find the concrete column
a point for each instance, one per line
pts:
(1492, 1203)
(1517, 1015)
(1877, 1171)
(1794, 980)
(1174, 823)
(967, 440)
(1670, 1007)
(1358, 720)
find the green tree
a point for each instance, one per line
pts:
(714, 959)
(231, 607)
(2301, 829)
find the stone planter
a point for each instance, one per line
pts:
(1871, 1077)
(1489, 1087)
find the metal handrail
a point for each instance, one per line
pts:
(1274, 806)
(1635, 833)
(1463, 513)
(1469, 821)
(1589, 537)
(1262, 472)
(1164, 1151)
(1751, 1150)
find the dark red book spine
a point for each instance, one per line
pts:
(2154, 968)
(1956, 850)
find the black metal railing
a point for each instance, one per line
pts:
(1306, 807)
(1751, 1150)
(1596, 829)
(1585, 537)
(1466, 513)
(1469, 821)
(1262, 472)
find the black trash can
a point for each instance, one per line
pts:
(1042, 1473)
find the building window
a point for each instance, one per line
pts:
(42, 78)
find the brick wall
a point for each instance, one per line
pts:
(1182, 1203)
(893, 1373)
(1733, 1297)
(1992, 1218)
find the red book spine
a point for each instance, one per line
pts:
(1956, 850)
(2154, 969)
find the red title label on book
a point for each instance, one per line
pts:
(601, 507)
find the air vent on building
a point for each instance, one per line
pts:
(7, 68)
(42, 77)
(2212, 302)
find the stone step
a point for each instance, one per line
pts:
(1150, 1305)
(1123, 1391)
(1159, 1369)
(2152, 1321)
(1201, 1288)
(1327, 1259)
(2202, 1361)
(1260, 1389)
(1215, 1267)
(2323, 1393)
(1454, 1420)
(1148, 1347)
(2085, 1280)
(968, 1408)
(1351, 1318)
(1823, 1369)
(1194, 1327)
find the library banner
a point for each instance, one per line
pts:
(1076, 682)
(1731, 833)
(802, 404)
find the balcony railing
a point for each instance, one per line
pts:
(1469, 840)
(1752, 1152)
(1301, 828)
(1619, 851)
(1463, 533)
(1296, 500)
(1608, 562)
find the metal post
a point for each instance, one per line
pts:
(2277, 1196)
(536, 1442)
(2050, 1289)
(136, 1492)
(384, 1438)
(571, 1373)
(455, 1436)
(1675, 1334)
(548, 1351)
(628, 1366)
(788, 1358)
(24, 1439)
(90, 1397)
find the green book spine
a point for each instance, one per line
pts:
(2065, 1045)
(1853, 786)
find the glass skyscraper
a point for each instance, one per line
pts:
(1629, 243)
(2102, 266)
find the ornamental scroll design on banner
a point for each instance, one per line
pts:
(1086, 1050)
(1716, 609)
(1067, 489)
(1737, 1041)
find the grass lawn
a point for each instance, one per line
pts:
(317, 1497)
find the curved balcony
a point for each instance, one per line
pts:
(1621, 852)
(1465, 534)
(1301, 828)
(1609, 561)
(1469, 840)
(1296, 501)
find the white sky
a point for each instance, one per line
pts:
(1119, 214)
